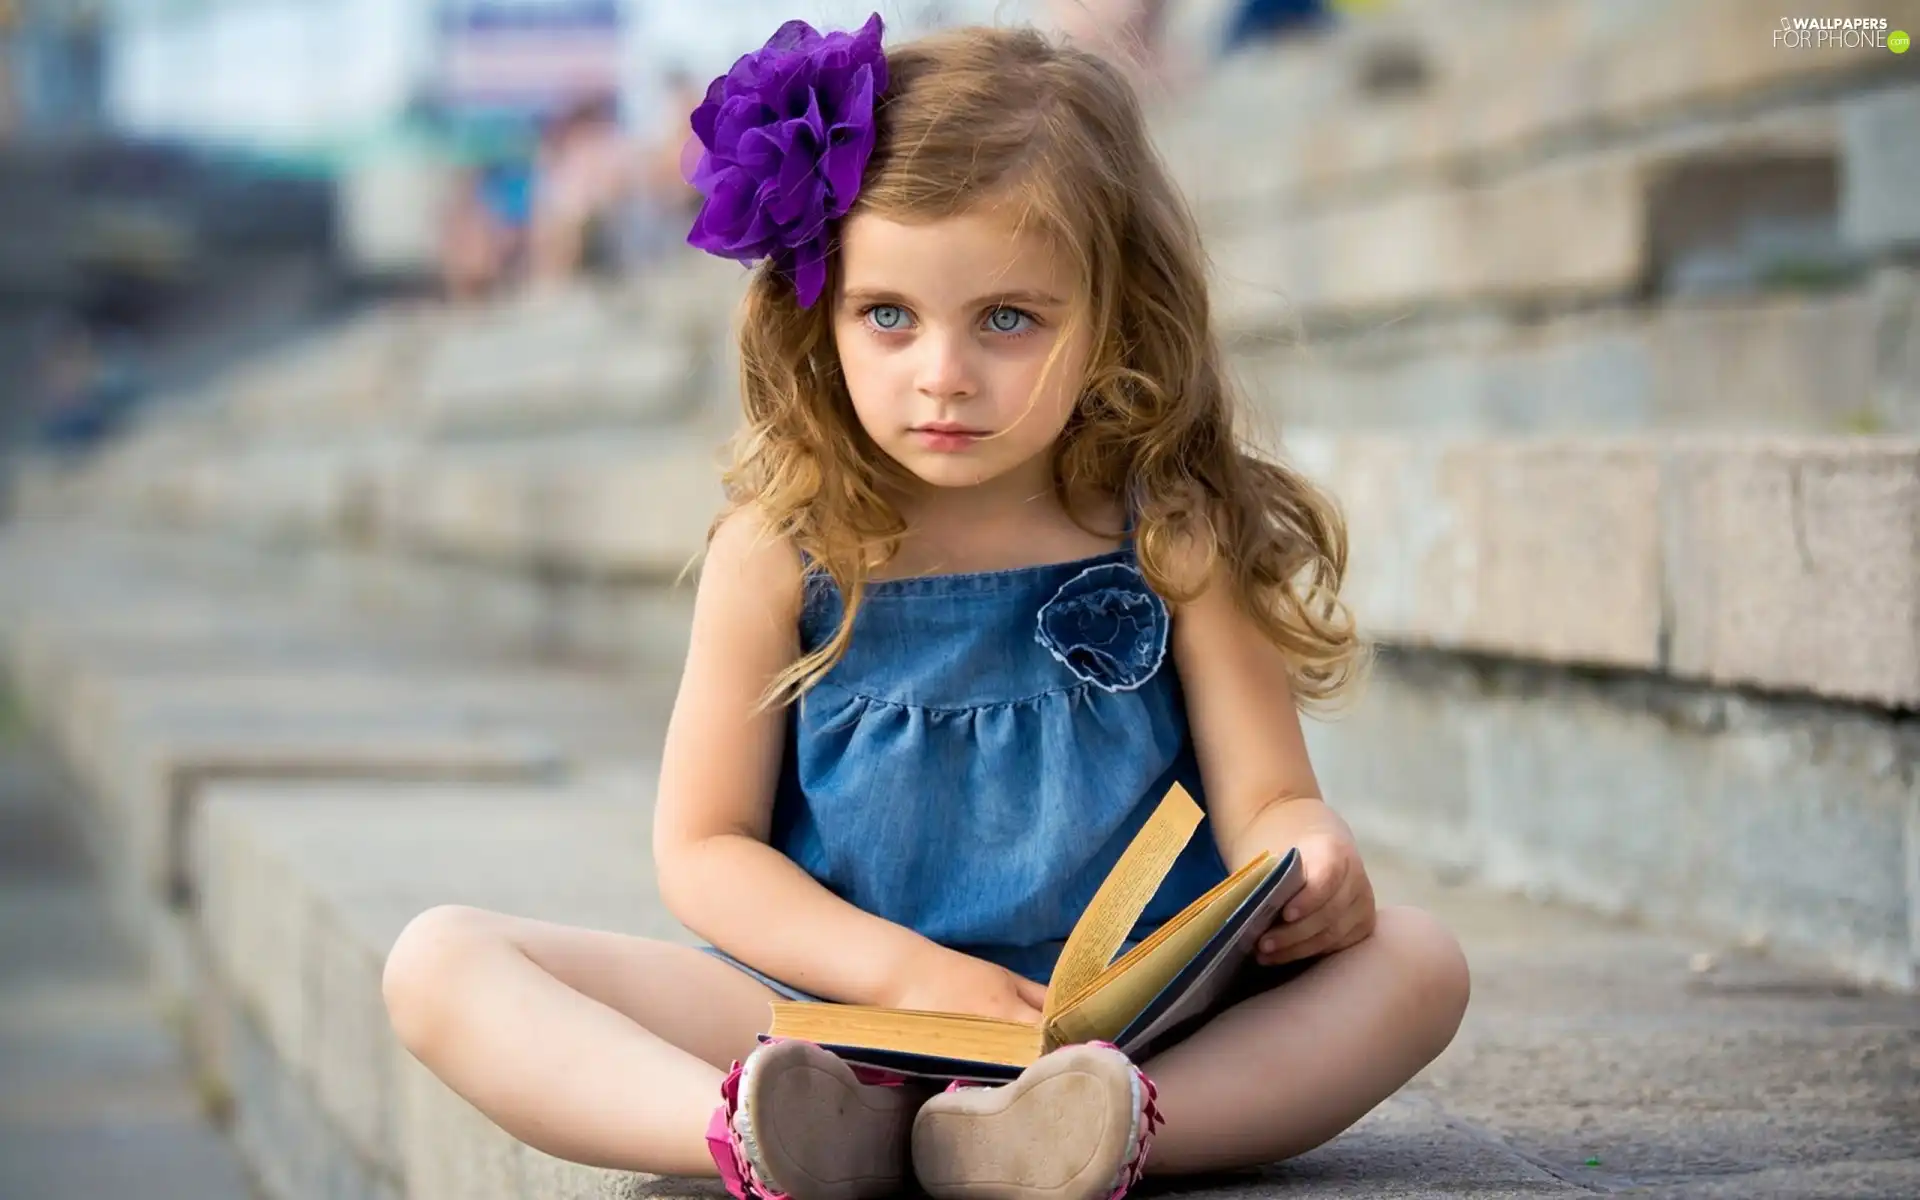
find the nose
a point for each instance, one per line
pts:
(946, 370)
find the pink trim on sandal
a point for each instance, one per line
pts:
(728, 1149)
(1147, 1122)
(723, 1143)
(876, 1076)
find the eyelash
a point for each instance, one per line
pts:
(1033, 322)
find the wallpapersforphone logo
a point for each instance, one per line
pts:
(1841, 33)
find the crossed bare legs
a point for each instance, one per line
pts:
(609, 1050)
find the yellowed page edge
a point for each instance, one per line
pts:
(949, 1035)
(1122, 897)
(837, 1012)
(1258, 866)
(1108, 1010)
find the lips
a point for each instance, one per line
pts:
(946, 437)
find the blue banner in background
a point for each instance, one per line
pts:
(526, 58)
(529, 14)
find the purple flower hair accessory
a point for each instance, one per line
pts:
(787, 133)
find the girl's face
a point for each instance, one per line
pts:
(943, 328)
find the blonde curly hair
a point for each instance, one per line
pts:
(983, 114)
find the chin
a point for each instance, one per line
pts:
(954, 476)
(952, 471)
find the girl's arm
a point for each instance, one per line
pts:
(717, 873)
(1260, 786)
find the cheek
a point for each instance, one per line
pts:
(857, 369)
(872, 391)
(865, 381)
(1054, 395)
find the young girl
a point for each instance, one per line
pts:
(995, 574)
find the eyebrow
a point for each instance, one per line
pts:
(870, 295)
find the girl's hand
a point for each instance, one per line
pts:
(1333, 911)
(952, 982)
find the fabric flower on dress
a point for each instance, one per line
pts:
(787, 133)
(1107, 625)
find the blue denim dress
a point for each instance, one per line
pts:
(990, 743)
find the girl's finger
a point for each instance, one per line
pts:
(1330, 903)
(1323, 883)
(1284, 939)
(1306, 950)
(1337, 936)
(1279, 939)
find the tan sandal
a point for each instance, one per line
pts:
(797, 1123)
(1076, 1125)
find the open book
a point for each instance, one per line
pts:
(1177, 974)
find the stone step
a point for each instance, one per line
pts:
(151, 744)
(1571, 76)
(1650, 1056)
(301, 908)
(639, 355)
(96, 1095)
(1609, 225)
(359, 375)
(1879, 213)
(579, 358)
(1809, 364)
(610, 509)
(606, 511)
(1778, 563)
(152, 704)
(1781, 824)
(524, 611)
(630, 617)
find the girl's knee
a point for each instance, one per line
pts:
(426, 961)
(1428, 957)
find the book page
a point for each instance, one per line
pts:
(907, 1031)
(1171, 928)
(1108, 1011)
(1199, 986)
(1122, 897)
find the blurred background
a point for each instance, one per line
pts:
(361, 406)
(188, 181)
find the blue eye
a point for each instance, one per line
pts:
(998, 325)
(894, 318)
(889, 318)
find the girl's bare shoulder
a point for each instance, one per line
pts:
(747, 555)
